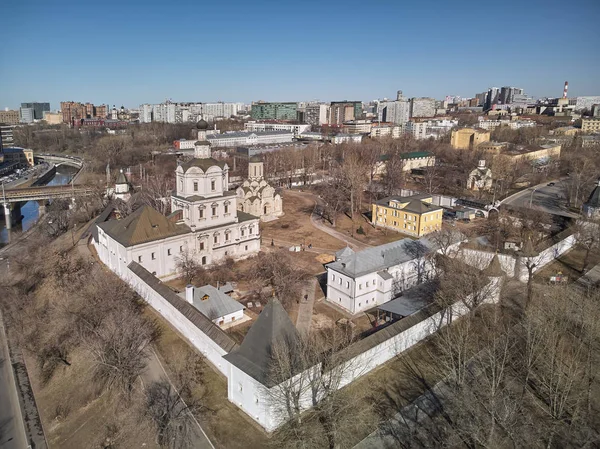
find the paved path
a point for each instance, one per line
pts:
(12, 428)
(305, 310)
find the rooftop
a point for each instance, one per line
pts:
(213, 303)
(254, 356)
(144, 225)
(380, 257)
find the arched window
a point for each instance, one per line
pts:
(203, 260)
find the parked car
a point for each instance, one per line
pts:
(550, 184)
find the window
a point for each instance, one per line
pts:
(333, 277)
(195, 186)
(243, 231)
(181, 249)
(201, 246)
(169, 252)
(405, 216)
(216, 239)
(227, 236)
(200, 213)
(226, 209)
(347, 284)
(340, 281)
(250, 229)
(203, 260)
(360, 286)
(213, 185)
(140, 259)
(359, 304)
(214, 211)
(367, 284)
(153, 258)
(246, 248)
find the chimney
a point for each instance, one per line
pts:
(189, 293)
(566, 89)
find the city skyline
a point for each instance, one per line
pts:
(211, 54)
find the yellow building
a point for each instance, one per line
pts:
(565, 131)
(537, 153)
(492, 147)
(53, 118)
(590, 125)
(413, 215)
(467, 138)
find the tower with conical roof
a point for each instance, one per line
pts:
(496, 274)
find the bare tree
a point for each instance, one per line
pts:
(120, 349)
(276, 270)
(308, 374)
(187, 264)
(172, 416)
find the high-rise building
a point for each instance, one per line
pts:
(507, 94)
(38, 109)
(316, 114)
(10, 117)
(481, 98)
(27, 115)
(101, 111)
(492, 97)
(274, 111)
(397, 111)
(344, 111)
(422, 107)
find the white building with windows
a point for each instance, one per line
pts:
(431, 128)
(360, 281)
(244, 138)
(295, 129)
(205, 224)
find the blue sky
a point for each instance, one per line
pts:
(132, 52)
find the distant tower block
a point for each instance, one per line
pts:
(566, 89)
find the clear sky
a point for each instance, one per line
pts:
(133, 52)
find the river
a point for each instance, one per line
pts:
(29, 210)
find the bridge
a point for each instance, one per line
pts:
(11, 198)
(59, 160)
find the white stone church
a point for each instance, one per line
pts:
(256, 196)
(206, 222)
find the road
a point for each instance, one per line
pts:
(12, 429)
(549, 199)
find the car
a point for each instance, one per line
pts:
(550, 184)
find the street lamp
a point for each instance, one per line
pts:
(531, 197)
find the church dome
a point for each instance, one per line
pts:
(202, 124)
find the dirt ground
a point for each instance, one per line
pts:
(226, 426)
(569, 264)
(295, 228)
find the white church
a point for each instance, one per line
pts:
(206, 222)
(256, 196)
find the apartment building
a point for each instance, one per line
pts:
(344, 111)
(316, 114)
(9, 117)
(590, 125)
(295, 129)
(422, 107)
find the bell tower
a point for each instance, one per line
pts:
(202, 146)
(255, 168)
